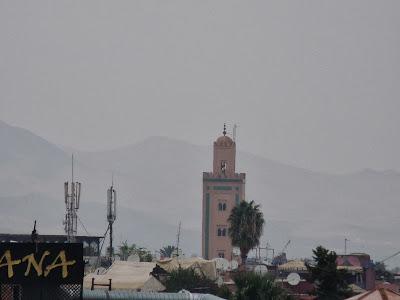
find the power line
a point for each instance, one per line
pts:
(83, 226)
(101, 247)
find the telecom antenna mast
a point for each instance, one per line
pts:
(72, 196)
(111, 212)
(178, 237)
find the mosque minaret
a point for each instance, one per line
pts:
(223, 188)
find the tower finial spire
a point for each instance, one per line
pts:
(224, 132)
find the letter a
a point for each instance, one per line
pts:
(9, 263)
(64, 264)
(32, 262)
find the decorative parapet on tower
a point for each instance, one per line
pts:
(210, 176)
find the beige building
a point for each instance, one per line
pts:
(223, 188)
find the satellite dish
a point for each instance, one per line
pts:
(134, 258)
(221, 264)
(234, 264)
(236, 251)
(293, 279)
(260, 269)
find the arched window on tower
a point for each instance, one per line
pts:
(222, 231)
(224, 166)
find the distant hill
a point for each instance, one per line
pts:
(159, 184)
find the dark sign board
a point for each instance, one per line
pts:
(46, 263)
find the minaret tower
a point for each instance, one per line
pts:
(222, 190)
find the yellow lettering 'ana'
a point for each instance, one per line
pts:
(63, 264)
(32, 262)
(9, 263)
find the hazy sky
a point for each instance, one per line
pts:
(311, 83)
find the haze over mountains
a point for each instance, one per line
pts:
(159, 184)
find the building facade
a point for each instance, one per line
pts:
(223, 189)
(360, 269)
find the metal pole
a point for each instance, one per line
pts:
(111, 240)
(345, 246)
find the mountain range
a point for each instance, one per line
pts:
(159, 184)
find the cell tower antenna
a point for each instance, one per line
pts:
(72, 196)
(72, 168)
(178, 236)
(111, 212)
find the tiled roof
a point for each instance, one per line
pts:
(377, 294)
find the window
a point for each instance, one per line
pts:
(221, 254)
(224, 166)
(221, 206)
(222, 231)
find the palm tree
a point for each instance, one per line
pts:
(124, 250)
(246, 227)
(167, 251)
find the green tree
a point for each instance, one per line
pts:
(253, 286)
(144, 254)
(125, 250)
(330, 282)
(189, 279)
(246, 223)
(167, 251)
(381, 273)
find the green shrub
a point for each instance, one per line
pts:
(253, 286)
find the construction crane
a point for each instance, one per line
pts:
(285, 247)
(281, 257)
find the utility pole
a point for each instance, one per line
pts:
(345, 245)
(111, 213)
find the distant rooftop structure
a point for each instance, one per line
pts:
(91, 244)
(293, 265)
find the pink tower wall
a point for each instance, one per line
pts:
(220, 188)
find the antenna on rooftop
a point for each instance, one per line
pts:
(72, 196)
(178, 236)
(345, 245)
(111, 211)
